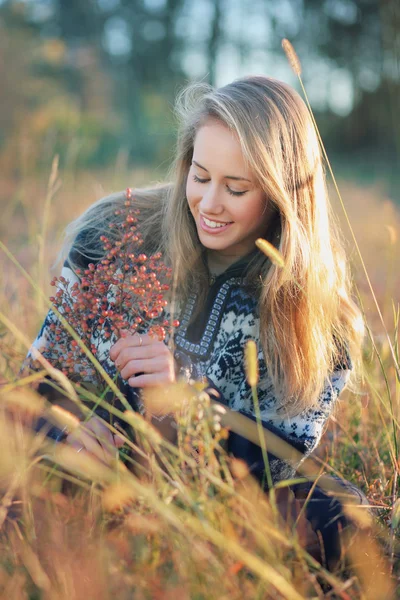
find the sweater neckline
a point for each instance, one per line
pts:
(236, 269)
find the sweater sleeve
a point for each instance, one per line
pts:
(46, 335)
(47, 343)
(303, 432)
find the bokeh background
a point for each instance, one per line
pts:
(95, 80)
(87, 90)
(93, 83)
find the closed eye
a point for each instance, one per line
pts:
(231, 192)
(198, 180)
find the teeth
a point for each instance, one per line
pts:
(214, 224)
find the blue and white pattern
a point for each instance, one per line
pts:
(218, 356)
(220, 360)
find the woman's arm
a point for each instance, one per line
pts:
(302, 432)
(46, 343)
(49, 344)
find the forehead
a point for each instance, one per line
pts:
(216, 147)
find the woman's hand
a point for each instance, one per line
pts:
(144, 354)
(94, 436)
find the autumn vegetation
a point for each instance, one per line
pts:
(185, 521)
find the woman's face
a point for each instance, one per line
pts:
(229, 209)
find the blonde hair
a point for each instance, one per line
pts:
(307, 317)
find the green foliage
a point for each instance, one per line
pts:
(120, 65)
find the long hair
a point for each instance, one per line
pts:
(307, 316)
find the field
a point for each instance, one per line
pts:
(192, 533)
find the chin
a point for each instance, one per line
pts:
(212, 244)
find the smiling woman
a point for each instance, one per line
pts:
(247, 165)
(229, 209)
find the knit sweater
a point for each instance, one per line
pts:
(212, 346)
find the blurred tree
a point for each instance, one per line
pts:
(47, 105)
(147, 72)
(129, 57)
(214, 41)
(361, 41)
(350, 50)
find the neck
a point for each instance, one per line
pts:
(218, 263)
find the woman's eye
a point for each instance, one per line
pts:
(198, 180)
(232, 193)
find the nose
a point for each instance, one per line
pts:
(210, 203)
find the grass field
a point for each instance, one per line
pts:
(191, 533)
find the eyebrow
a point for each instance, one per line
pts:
(226, 176)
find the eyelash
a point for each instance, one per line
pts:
(231, 192)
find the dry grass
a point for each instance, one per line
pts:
(185, 529)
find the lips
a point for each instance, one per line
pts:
(213, 230)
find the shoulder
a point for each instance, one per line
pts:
(86, 248)
(109, 217)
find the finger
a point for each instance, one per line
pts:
(82, 450)
(149, 380)
(119, 441)
(139, 353)
(90, 444)
(104, 434)
(116, 348)
(148, 365)
(78, 441)
(135, 340)
(78, 446)
(100, 430)
(122, 343)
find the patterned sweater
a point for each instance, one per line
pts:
(211, 346)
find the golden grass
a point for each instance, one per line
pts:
(189, 527)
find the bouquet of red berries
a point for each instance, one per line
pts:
(124, 290)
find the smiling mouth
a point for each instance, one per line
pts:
(215, 224)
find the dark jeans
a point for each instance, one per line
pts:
(324, 512)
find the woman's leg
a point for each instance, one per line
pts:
(326, 514)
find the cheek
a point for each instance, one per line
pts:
(258, 210)
(251, 211)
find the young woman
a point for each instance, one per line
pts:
(247, 165)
